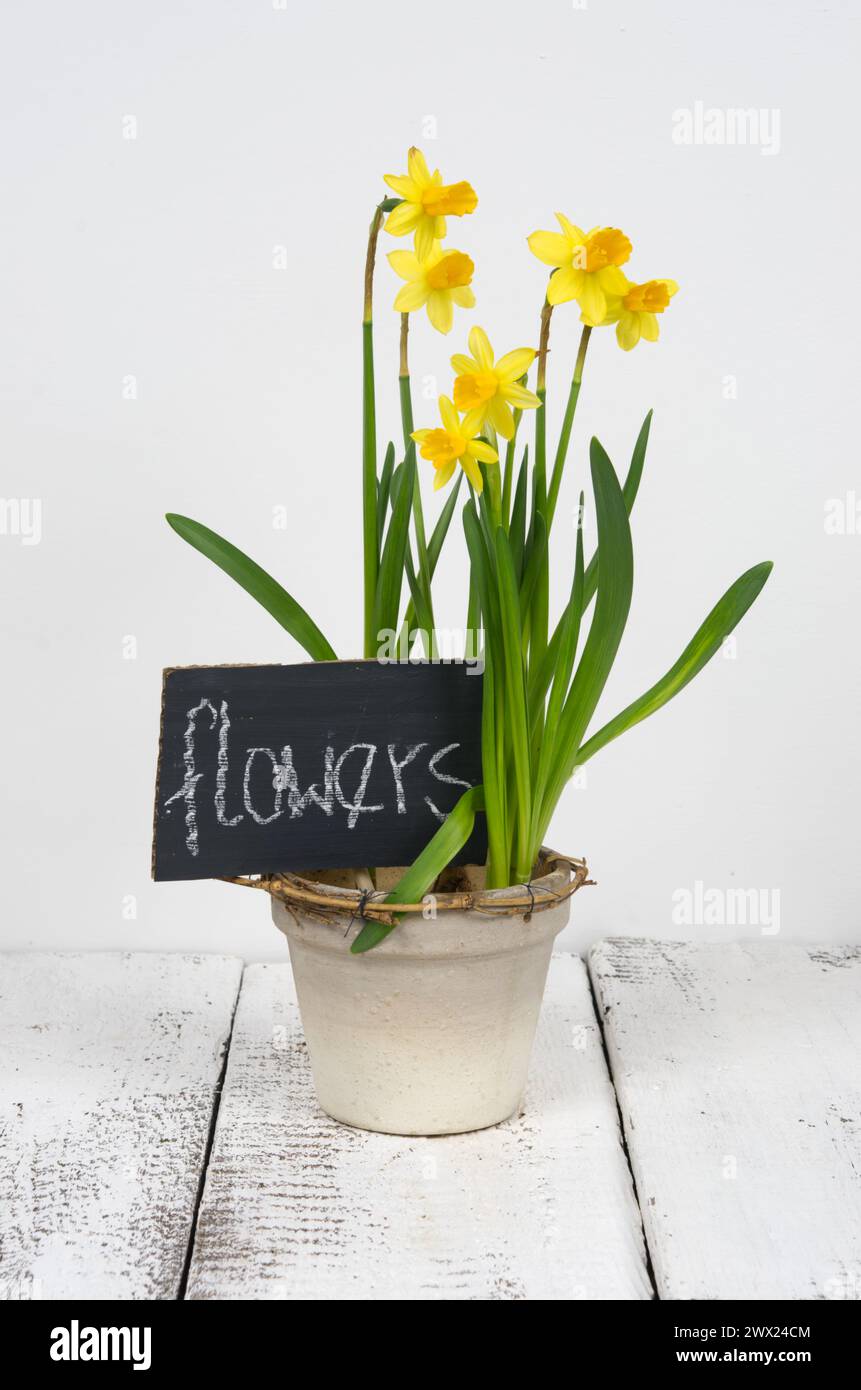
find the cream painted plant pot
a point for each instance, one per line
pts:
(431, 1031)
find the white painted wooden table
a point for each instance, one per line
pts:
(738, 1077)
(735, 1070)
(299, 1207)
(107, 1088)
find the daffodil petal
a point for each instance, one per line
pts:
(591, 299)
(477, 449)
(463, 296)
(564, 285)
(649, 327)
(417, 167)
(440, 311)
(411, 297)
(613, 280)
(519, 397)
(479, 346)
(612, 313)
(403, 186)
(628, 331)
(672, 287)
(405, 264)
(424, 237)
(550, 247)
(473, 420)
(515, 364)
(501, 417)
(420, 436)
(449, 416)
(463, 365)
(403, 219)
(472, 471)
(572, 232)
(443, 474)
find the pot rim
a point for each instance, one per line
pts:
(563, 877)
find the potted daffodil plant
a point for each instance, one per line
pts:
(420, 988)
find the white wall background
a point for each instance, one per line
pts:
(263, 126)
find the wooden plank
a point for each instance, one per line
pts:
(298, 1207)
(736, 1067)
(110, 1066)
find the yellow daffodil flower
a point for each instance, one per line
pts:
(427, 201)
(487, 390)
(454, 443)
(635, 313)
(440, 281)
(587, 265)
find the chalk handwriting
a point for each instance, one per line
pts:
(283, 778)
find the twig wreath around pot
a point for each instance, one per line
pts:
(420, 988)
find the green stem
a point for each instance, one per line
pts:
(508, 476)
(494, 491)
(540, 461)
(424, 575)
(472, 617)
(537, 618)
(369, 445)
(567, 423)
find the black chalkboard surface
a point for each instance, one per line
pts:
(324, 765)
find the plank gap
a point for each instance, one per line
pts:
(207, 1153)
(623, 1133)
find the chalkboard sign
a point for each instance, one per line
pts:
(324, 765)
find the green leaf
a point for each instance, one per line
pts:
(383, 489)
(435, 545)
(423, 564)
(370, 539)
(630, 488)
(517, 529)
(436, 855)
(615, 583)
(569, 633)
(391, 575)
(419, 607)
(440, 530)
(515, 690)
(536, 566)
(256, 582)
(707, 640)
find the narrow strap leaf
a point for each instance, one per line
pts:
(256, 582)
(391, 575)
(630, 488)
(383, 491)
(727, 612)
(615, 583)
(515, 687)
(569, 631)
(422, 873)
(517, 529)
